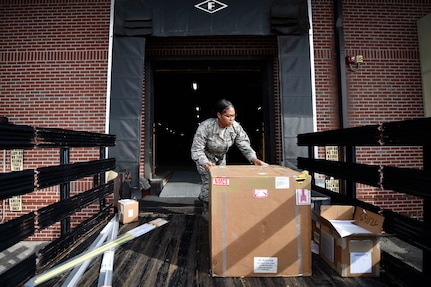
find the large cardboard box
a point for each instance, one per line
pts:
(128, 210)
(348, 239)
(260, 221)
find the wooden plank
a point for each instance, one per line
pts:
(170, 205)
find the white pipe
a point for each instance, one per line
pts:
(4, 170)
(313, 74)
(107, 265)
(76, 274)
(109, 73)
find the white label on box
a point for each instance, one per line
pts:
(107, 261)
(303, 197)
(265, 264)
(221, 181)
(130, 212)
(282, 182)
(260, 193)
(327, 245)
(360, 262)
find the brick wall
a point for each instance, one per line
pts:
(53, 73)
(386, 88)
(54, 63)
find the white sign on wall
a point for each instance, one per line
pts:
(16, 164)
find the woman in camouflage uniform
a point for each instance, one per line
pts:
(212, 140)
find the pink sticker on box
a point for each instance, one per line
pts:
(221, 181)
(303, 197)
(260, 193)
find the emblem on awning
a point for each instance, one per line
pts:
(211, 6)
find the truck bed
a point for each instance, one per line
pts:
(177, 254)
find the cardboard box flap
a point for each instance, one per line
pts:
(241, 171)
(347, 220)
(337, 212)
(368, 220)
(346, 228)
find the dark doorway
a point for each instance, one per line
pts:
(179, 107)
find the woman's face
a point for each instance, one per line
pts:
(227, 118)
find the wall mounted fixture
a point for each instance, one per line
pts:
(354, 62)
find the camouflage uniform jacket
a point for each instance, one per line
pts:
(211, 143)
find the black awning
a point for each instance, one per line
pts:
(210, 17)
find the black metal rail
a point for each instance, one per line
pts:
(55, 175)
(362, 173)
(51, 137)
(415, 232)
(396, 269)
(22, 136)
(16, 230)
(16, 183)
(404, 180)
(410, 181)
(338, 198)
(401, 133)
(20, 273)
(16, 136)
(406, 133)
(364, 136)
(50, 214)
(27, 181)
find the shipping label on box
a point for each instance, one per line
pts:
(349, 239)
(260, 223)
(128, 210)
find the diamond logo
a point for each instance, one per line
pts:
(211, 6)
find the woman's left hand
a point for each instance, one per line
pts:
(257, 161)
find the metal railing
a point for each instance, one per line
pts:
(29, 181)
(415, 182)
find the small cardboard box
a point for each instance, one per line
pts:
(260, 221)
(348, 239)
(128, 210)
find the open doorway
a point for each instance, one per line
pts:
(184, 95)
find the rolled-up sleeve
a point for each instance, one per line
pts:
(198, 145)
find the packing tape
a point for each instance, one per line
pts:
(298, 238)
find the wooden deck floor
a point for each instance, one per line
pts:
(177, 254)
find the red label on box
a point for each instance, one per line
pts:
(221, 181)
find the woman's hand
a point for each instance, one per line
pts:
(208, 165)
(257, 161)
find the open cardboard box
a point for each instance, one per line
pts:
(260, 221)
(348, 239)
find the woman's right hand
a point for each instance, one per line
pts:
(208, 165)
